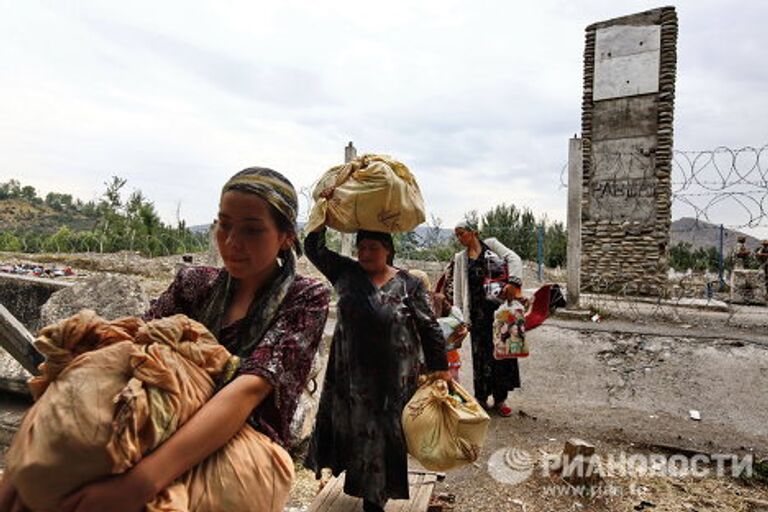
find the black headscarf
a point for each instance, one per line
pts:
(384, 238)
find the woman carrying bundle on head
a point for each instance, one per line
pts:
(384, 323)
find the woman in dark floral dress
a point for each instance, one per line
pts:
(263, 312)
(384, 324)
(466, 276)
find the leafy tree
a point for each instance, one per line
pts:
(406, 244)
(59, 202)
(434, 232)
(10, 190)
(133, 224)
(28, 193)
(682, 257)
(472, 219)
(9, 242)
(514, 228)
(61, 241)
(112, 194)
(555, 245)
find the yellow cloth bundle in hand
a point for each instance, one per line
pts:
(372, 192)
(445, 427)
(111, 392)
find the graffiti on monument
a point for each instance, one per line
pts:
(623, 187)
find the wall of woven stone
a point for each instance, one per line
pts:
(627, 132)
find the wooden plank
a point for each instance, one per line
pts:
(332, 498)
(439, 475)
(17, 341)
(414, 481)
(327, 494)
(419, 501)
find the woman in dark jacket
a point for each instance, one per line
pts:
(384, 324)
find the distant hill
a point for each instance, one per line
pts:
(21, 215)
(423, 232)
(199, 229)
(702, 234)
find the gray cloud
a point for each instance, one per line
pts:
(479, 100)
(248, 78)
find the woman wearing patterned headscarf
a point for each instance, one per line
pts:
(384, 323)
(262, 311)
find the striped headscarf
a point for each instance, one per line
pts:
(272, 187)
(278, 192)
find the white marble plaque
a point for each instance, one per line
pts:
(626, 61)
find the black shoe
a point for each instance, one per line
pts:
(484, 403)
(369, 506)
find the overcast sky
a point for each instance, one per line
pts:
(478, 98)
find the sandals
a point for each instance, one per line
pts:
(503, 410)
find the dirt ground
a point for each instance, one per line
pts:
(626, 385)
(627, 393)
(628, 389)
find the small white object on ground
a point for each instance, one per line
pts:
(695, 415)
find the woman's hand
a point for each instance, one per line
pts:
(122, 493)
(9, 498)
(461, 332)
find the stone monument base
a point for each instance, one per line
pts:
(748, 287)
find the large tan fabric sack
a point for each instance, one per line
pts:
(372, 192)
(110, 392)
(249, 473)
(445, 427)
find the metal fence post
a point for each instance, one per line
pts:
(540, 251)
(721, 263)
(350, 153)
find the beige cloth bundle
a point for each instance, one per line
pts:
(445, 427)
(372, 192)
(111, 392)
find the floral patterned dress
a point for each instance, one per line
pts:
(283, 356)
(372, 373)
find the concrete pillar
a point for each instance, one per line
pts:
(574, 222)
(347, 239)
(350, 152)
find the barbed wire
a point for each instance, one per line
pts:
(724, 180)
(693, 298)
(723, 185)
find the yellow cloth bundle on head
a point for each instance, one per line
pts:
(372, 192)
(444, 426)
(110, 392)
